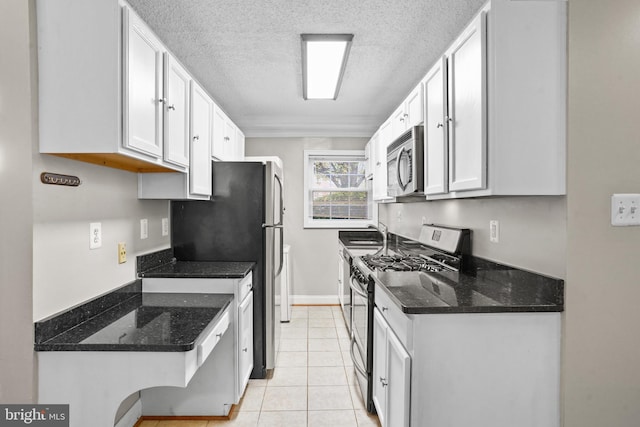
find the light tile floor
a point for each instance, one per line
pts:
(313, 383)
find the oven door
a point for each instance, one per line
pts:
(361, 305)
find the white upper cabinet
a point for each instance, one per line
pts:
(202, 108)
(380, 142)
(176, 108)
(239, 148)
(466, 109)
(228, 140)
(505, 105)
(408, 114)
(436, 171)
(110, 93)
(143, 87)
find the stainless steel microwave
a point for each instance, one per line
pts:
(405, 164)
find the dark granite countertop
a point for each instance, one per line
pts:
(360, 238)
(482, 286)
(129, 320)
(163, 264)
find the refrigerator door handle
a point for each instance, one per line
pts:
(272, 225)
(281, 250)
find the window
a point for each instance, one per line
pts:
(337, 194)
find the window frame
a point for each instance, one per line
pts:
(310, 222)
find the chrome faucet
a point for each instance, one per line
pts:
(383, 230)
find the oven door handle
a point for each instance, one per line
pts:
(360, 369)
(356, 289)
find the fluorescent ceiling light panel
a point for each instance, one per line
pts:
(324, 57)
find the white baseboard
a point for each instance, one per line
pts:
(131, 417)
(314, 299)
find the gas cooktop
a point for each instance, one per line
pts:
(439, 249)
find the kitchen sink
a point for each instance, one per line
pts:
(365, 242)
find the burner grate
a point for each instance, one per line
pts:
(400, 263)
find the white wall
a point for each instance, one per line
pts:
(313, 251)
(17, 115)
(601, 371)
(532, 229)
(65, 271)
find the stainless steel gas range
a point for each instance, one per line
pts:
(438, 249)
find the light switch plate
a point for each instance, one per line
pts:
(625, 210)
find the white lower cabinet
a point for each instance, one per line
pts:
(222, 379)
(465, 369)
(391, 375)
(245, 343)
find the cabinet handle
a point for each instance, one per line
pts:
(226, 138)
(219, 335)
(385, 308)
(171, 107)
(439, 125)
(245, 349)
(405, 115)
(162, 100)
(384, 382)
(196, 137)
(378, 163)
(249, 285)
(448, 119)
(402, 119)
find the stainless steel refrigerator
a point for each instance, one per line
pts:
(242, 222)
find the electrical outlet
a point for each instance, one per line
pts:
(122, 253)
(625, 209)
(95, 235)
(144, 228)
(494, 231)
(165, 226)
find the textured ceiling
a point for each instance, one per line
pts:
(246, 53)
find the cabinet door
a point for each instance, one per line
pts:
(467, 108)
(229, 140)
(142, 84)
(201, 133)
(380, 171)
(398, 122)
(379, 374)
(435, 132)
(219, 129)
(245, 341)
(239, 145)
(398, 390)
(176, 112)
(414, 107)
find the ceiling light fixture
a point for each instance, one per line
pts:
(324, 58)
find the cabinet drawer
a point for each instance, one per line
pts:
(209, 342)
(397, 320)
(244, 287)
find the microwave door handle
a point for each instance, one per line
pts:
(400, 183)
